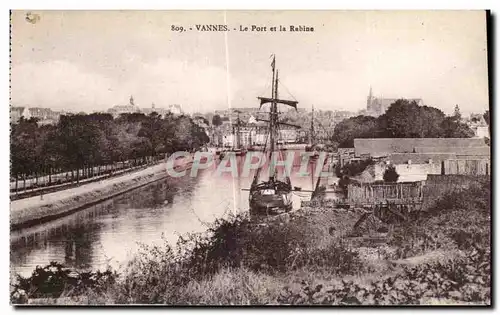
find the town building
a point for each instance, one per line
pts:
(131, 107)
(379, 147)
(377, 106)
(251, 132)
(175, 109)
(415, 158)
(17, 112)
(44, 116)
(153, 109)
(477, 123)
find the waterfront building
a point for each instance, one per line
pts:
(44, 116)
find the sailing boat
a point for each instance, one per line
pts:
(272, 196)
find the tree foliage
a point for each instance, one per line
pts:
(356, 127)
(486, 116)
(98, 139)
(216, 120)
(403, 119)
(390, 174)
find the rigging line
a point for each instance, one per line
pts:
(286, 89)
(266, 86)
(257, 173)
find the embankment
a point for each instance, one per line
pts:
(308, 256)
(35, 210)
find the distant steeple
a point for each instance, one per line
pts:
(456, 112)
(369, 100)
(152, 105)
(131, 101)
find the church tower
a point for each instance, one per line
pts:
(369, 100)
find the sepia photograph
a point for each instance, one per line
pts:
(256, 158)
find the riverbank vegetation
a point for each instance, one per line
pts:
(309, 257)
(86, 142)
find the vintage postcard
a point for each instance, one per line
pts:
(250, 158)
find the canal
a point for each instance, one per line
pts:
(109, 233)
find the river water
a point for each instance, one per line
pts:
(109, 233)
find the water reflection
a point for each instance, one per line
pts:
(108, 233)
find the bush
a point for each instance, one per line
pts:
(54, 280)
(462, 280)
(161, 273)
(337, 257)
(271, 247)
(353, 168)
(390, 174)
(458, 220)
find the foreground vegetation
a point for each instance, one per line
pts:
(306, 258)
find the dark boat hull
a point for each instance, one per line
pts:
(270, 204)
(237, 152)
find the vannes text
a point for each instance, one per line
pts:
(242, 28)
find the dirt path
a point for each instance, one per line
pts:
(35, 210)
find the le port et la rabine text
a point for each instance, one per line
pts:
(241, 28)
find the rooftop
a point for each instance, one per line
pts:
(385, 146)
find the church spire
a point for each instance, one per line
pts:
(131, 100)
(370, 95)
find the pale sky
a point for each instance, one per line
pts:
(92, 60)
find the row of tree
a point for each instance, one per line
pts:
(83, 141)
(403, 119)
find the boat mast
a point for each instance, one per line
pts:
(273, 112)
(272, 109)
(311, 135)
(238, 141)
(249, 138)
(236, 131)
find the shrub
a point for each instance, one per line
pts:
(390, 174)
(54, 280)
(353, 168)
(337, 257)
(462, 280)
(458, 220)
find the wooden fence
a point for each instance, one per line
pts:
(466, 167)
(410, 192)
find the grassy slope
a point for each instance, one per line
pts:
(307, 258)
